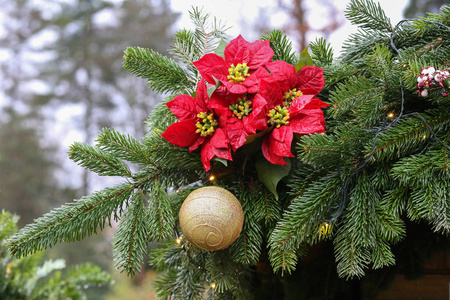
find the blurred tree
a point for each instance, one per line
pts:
(419, 8)
(27, 182)
(87, 69)
(298, 25)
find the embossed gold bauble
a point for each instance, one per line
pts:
(211, 218)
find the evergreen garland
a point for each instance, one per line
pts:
(383, 160)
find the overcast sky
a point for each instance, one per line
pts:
(233, 11)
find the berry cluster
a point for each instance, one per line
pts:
(429, 78)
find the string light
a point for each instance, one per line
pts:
(212, 178)
(178, 237)
(325, 229)
(336, 211)
(213, 285)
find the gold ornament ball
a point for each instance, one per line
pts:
(211, 218)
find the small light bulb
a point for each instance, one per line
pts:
(213, 285)
(325, 229)
(424, 136)
(178, 240)
(212, 177)
(391, 115)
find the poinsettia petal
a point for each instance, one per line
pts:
(218, 146)
(235, 88)
(256, 120)
(209, 65)
(284, 74)
(271, 92)
(260, 53)
(299, 103)
(281, 140)
(252, 84)
(236, 132)
(183, 107)
(236, 51)
(218, 99)
(197, 143)
(269, 155)
(181, 134)
(316, 103)
(202, 100)
(308, 121)
(310, 80)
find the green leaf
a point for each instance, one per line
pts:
(305, 60)
(220, 50)
(212, 88)
(271, 174)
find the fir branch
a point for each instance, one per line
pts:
(162, 73)
(356, 92)
(98, 161)
(281, 46)
(132, 236)
(404, 138)
(352, 260)
(247, 248)
(72, 221)
(301, 222)
(207, 35)
(160, 218)
(359, 44)
(123, 146)
(368, 14)
(321, 52)
(184, 49)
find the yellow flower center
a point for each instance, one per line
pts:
(241, 108)
(278, 116)
(290, 96)
(206, 125)
(238, 73)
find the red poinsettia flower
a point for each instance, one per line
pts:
(297, 114)
(197, 126)
(237, 70)
(308, 80)
(244, 114)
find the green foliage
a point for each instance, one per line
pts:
(162, 73)
(27, 278)
(352, 187)
(282, 46)
(321, 52)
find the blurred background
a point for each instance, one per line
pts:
(61, 81)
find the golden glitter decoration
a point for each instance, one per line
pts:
(211, 218)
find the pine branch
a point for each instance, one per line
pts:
(162, 73)
(206, 36)
(161, 214)
(98, 161)
(123, 146)
(185, 50)
(281, 46)
(356, 93)
(72, 221)
(408, 134)
(301, 222)
(321, 52)
(247, 248)
(368, 14)
(132, 236)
